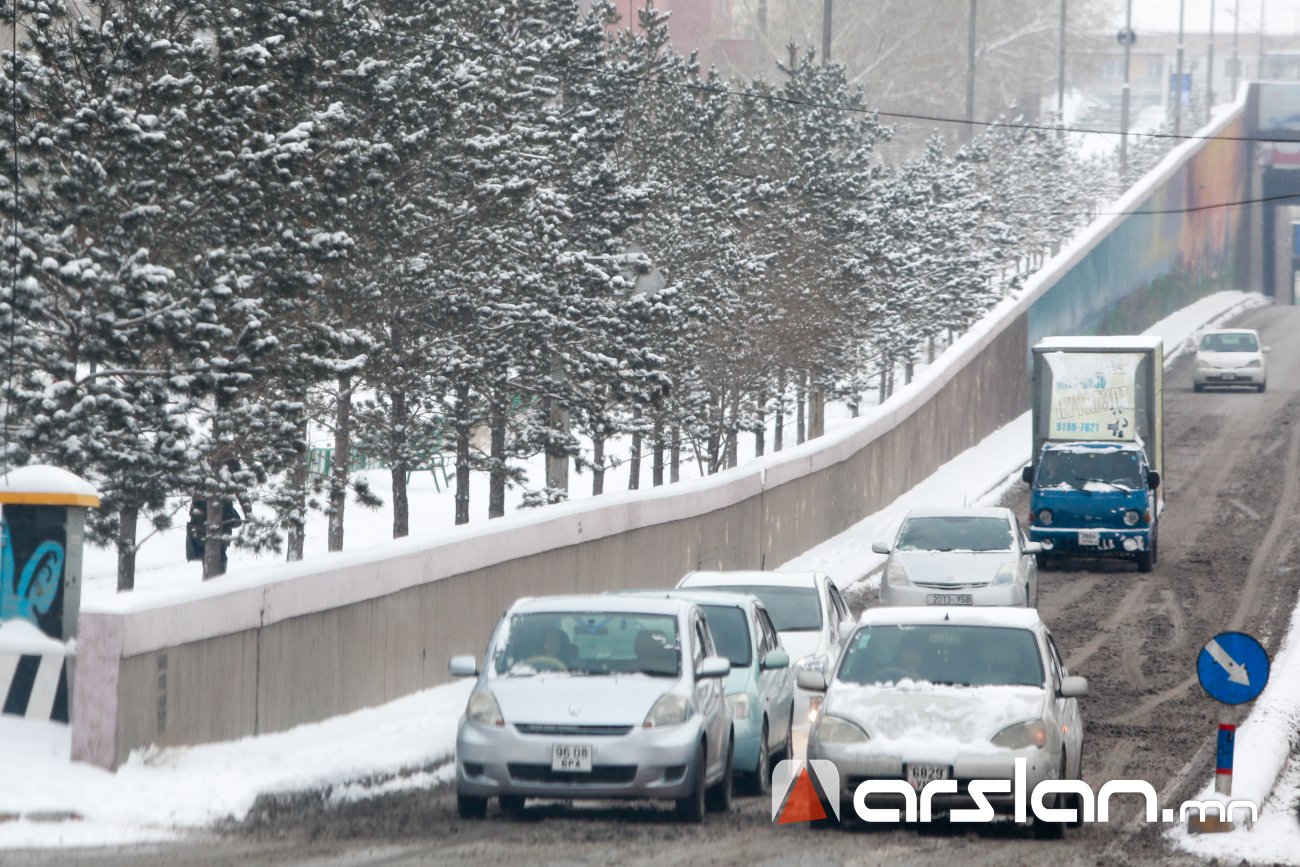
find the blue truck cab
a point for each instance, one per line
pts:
(1094, 499)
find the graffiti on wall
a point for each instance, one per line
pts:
(31, 593)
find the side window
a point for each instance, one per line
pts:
(840, 603)
(703, 644)
(773, 641)
(833, 615)
(1058, 667)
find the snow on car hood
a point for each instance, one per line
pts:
(953, 567)
(918, 712)
(801, 643)
(551, 699)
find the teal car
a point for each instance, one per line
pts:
(760, 687)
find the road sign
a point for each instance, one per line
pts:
(1232, 667)
(1126, 36)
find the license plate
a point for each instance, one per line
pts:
(1228, 377)
(1090, 537)
(571, 757)
(919, 775)
(949, 599)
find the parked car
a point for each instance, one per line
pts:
(1230, 356)
(959, 557)
(760, 688)
(596, 697)
(934, 693)
(808, 611)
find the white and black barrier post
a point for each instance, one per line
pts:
(1233, 669)
(42, 524)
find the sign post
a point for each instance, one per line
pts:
(1233, 669)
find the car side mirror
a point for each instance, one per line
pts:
(1073, 687)
(881, 547)
(776, 659)
(1027, 475)
(713, 666)
(1267, 349)
(463, 666)
(813, 681)
(1153, 479)
(1033, 547)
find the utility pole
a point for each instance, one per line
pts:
(1123, 122)
(970, 72)
(1178, 76)
(1209, 71)
(1236, 8)
(1259, 74)
(1060, 78)
(826, 32)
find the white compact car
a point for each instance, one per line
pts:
(596, 697)
(808, 611)
(970, 556)
(1230, 356)
(925, 694)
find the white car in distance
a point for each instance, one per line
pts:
(1230, 357)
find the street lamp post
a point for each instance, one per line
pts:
(1236, 7)
(1124, 96)
(1209, 72)
(1178, 75)
(1060, 77)
(970, 72)
(826, 32)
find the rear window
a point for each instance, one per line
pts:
(792, 609)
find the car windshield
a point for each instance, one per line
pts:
(589, 643)
(1229, 343)
(792, 609)
(955, 533)
(730, 630)
(943, 654)
(1079, 468)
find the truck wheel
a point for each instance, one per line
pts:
(470, 807)
(1043, 560)
(1145, 561)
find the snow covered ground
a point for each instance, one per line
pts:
(407, 743)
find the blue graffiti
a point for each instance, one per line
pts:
(33, 594)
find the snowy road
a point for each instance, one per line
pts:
(1135, 638)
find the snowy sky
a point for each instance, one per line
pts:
(1161, 16)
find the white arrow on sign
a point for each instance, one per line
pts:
(1236, 671)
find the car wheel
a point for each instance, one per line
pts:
(787, 749)
(470, 807)
(718, 797)
(1261, 386)
(760, 781)
(1052, 830)
(691, 807)
(512, 805)
(1198, 387)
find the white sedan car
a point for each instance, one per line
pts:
(925, 694)
(808, 612)
(1230, 356)
(972, 556)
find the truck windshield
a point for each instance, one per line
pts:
(1082, 468)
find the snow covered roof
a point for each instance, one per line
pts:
(1122, 341)
(960, 512)
(702, 596)
(1092, 447)
(750, 576)
(40, 485)
(599, 602)
(1023, 618)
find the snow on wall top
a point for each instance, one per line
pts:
(44, 485)
(21, 637)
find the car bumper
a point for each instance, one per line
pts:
(1001, 594)
(1235, 376)
(644, 763)
(856, 766)
(1111, 543)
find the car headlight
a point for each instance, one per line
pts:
(896, 575)
(1045, 517)
(817, 662)
(1131, 517)
(671, 709)
(739, 705)
(1006, 574)
(1255, 363)
(483, 708)
(837, 730)
(1020, 736)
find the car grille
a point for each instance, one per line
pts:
(598, 775)
(576, 730)
(930, 585)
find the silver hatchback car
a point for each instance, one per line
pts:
(596, 697)
(1230, 356)
(968, 556)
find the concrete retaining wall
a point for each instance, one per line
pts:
(295, 643)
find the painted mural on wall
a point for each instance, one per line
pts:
(32, 558)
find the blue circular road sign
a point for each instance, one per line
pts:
(1232, 667)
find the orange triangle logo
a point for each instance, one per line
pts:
(802, 803)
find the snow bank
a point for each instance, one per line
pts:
(22, 637)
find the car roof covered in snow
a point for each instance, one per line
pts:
(600, 602)
(1119, 341)
(701, 596)
(1101, 446)
(751, 577)
(931, 615)
(961, 512)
